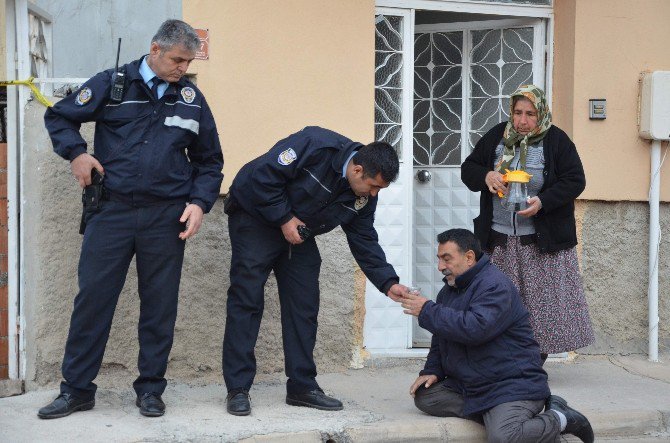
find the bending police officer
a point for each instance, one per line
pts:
(309, 183)
(155, 197)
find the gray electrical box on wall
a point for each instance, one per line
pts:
(597, 109)
(655, 105)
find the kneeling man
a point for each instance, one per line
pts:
(484, 363)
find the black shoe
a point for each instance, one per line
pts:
(578, 425)
(238, 402)
(314, 399)
(150, 404)
(64, 405)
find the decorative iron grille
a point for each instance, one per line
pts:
(388, 80)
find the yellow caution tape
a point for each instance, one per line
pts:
(29, 83)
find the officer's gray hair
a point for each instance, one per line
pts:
(176, 32)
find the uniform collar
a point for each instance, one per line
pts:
(346, 163)
(342, 158)
(133, 73)
(145, 71)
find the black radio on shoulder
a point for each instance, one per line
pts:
(118, 80)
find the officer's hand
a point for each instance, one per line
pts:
(426, 380)
(290, 231)
(192, 216)
(397, 291)
(81, 168)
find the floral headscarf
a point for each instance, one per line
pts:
(512, 138)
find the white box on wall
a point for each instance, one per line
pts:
(655, 106)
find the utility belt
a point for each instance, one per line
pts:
(94, 194)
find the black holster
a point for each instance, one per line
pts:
(91, 199)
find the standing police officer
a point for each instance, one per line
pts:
(159, 151)
(306, 185)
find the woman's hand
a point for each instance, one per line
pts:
(534, 205)
(495, 182)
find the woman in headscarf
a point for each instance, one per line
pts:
(535, 247)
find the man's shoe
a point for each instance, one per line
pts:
(150, 404)
(314, 399)
(578, 425)
(64, 405)
(238, 402)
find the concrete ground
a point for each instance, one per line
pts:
(625, 398)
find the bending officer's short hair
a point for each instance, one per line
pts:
(464, 239)
(378, 158)
(176, 32)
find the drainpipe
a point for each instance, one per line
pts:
(654, 240)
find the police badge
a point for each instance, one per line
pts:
(360, 203)
(287, 157)
(188, 94)
(84, 96)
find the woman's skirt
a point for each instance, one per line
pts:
(551, 288)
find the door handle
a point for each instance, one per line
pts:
(423, 176)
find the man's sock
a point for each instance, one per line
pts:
(561, 418)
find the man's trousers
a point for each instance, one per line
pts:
(258, 249)
(114, 233)
(516, 421)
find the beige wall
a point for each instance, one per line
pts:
(600, 49)
(275, 67)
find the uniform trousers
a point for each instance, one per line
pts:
(257, 249)
(511, 422)
(114, 233)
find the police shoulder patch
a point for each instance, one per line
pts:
(85, 95)
(287, 157)
(360, 203)
(188, 94)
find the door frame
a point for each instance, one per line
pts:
(18, 68)
(407, 9)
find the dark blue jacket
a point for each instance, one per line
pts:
(482, 341)
(150, 149)
(302, 176)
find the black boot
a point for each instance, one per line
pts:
(150, 404)
(64, 405)
(314, 399)
(578, 425)
(238, 402)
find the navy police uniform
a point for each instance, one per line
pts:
(300, 176)
(158, 155)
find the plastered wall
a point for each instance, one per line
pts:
(600, 49)
(276, 67)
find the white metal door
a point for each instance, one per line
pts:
(463, 76)
(386, 327)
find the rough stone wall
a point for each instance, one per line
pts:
(615, 266)
(52, 243)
